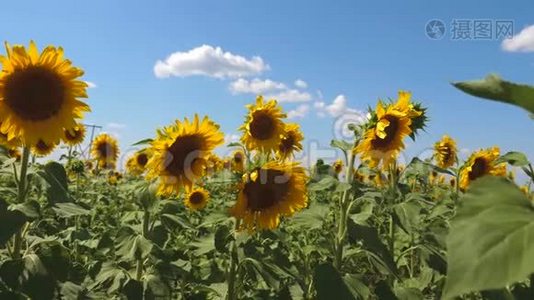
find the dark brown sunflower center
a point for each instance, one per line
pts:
(262, 126)
(238, 158)
(183, 153)
(196, 198)
(35, 93)
(479, 168)
(287, 144)
(391, 132)
(446, 153)
(42, 146)
(271, 187)
(73, 134)
(105, 150)
(142, 159)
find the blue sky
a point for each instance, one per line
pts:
(360, 51)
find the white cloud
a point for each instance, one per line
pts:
(521, 42)
(90, 84)
(337, 108)
(255, 86)
(231, 138)
(209, 61)
(115, 126)
(298, 113)
(290, 96)
(301, 84)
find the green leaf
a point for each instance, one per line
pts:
(12, 221)
(362, 211)
(342, 145)
(516, 159)
(56, 177)
(310, 218)
(69, 210)
(357, 287)
(329, 284)
(407, 215)
(418, 166)
(142, 142)
(371, 242)
(491, 240)
(325, 183)
(494, 88)
(131, 245)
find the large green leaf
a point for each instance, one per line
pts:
(55, 175)
(516, 159)
(329, 283)
(68, 210)
(494, 88)
(12, 221)
(491, 240)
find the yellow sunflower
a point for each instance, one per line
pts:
(479, 164)
(136, 163)
(14, 153)
(196, 199)
(445, 152)
(39, 94)
(105, 151)
(274, 190)
(238, 161)
(385, 139)
(215, 164)
(74, 136)
(291, 141)
(42, 148)
(179, 153)
(338, 166)
(263, 127)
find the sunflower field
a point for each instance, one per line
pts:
(181, 222)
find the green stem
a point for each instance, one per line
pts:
(232, 271)
(139, 267)
(21, 198)
(343, 213)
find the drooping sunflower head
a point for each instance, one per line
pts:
(39, 94)
(180, 152)
(196, 199)
(274, 190)
(479, 164)
(105, 150)
(445, 152)
(238, 161)
(74, 136)
(41, 148)
(338, 166)
(263, 127)
(291, 141)
(384, 138)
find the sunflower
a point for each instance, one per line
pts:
(74, 136)
(105, 150)
(263, 127)
(39, 94)
(445, 152)
(179, 153)
(238, 161)
(136, 163)
(14, 153)
(338, 166)
(383, 140)
(215, 163)
(479, 164)
(274, 190)
(41, 148)
(196, 199)
(291, 141)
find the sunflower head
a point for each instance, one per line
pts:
(445, 152)
(215, 163)
(14, 153)
(274, 190)
(338, 166)
(383, 140)
(136, 163)
(196, 199)
(291, 141)
(263, 127)
(41, 148)
(105, 151)
(74, 136)
(479, 164)
(238, 161)
(39, 94)
(180, 151)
